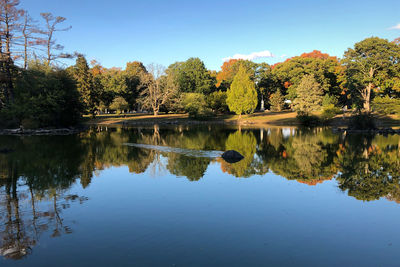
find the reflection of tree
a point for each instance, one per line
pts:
(38, 172)
(36, 177)
(306, 156)
(192, 168)
(245, 143)
(369, 172)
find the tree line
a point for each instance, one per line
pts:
(37, 90)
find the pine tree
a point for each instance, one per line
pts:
(309, 95)
(277, 101)
(242, 96)
(85, 85)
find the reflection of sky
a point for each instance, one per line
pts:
(219, 220)
(286, 132)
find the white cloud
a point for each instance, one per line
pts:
(396, 27)
(252, 56)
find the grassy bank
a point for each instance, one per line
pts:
(285, 118)
(261, 118)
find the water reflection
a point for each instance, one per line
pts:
(37, 172)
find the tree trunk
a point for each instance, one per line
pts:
(367, 92)
(367, 98)
(26, 52)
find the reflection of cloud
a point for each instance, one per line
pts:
(396, 27)
(251, 56)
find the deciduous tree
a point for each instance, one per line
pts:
(370, 64)
(156, 87)
(51, 27)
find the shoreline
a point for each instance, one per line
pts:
(43, 131)
(385, 124)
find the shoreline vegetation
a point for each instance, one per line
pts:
(257, 119)
(267, 119)
(40, 91)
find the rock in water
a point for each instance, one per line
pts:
(232, 156)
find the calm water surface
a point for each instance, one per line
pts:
(299, 198)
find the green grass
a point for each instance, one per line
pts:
(284, 118)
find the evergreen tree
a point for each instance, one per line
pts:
(242, 96)
(309, 95)
(277, 101)
(85, 85)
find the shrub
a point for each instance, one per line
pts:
(195, 104)
(386, 105)
(7, 119)
(362, 121)
(277, 101)
(217, 101)
(29, 123)
(307, 120)
(329, 112)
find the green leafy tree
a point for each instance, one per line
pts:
(242, 96)
(386, 105)
(45, 96)
(326, 70)
(133, 72)
(85, 85)
(370, 65)
(195, 104)
(277, 101)
(217, 101)
(192, 76)
(309, 95)
(119, 104)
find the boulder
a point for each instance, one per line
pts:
(232, 156)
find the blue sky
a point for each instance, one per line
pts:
(119, 31)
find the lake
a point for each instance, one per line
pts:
(300, 197)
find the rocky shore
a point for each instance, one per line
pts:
(367, 131)
(56, 131)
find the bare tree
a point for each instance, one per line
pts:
(29, 31)
(10, 17)
(157, 87)
(51, 23)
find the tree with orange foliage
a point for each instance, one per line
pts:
(324, 68)
(228, 72)
(230, 68)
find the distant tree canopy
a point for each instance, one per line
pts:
(192, 76)
(326, 71)
(366, 78)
